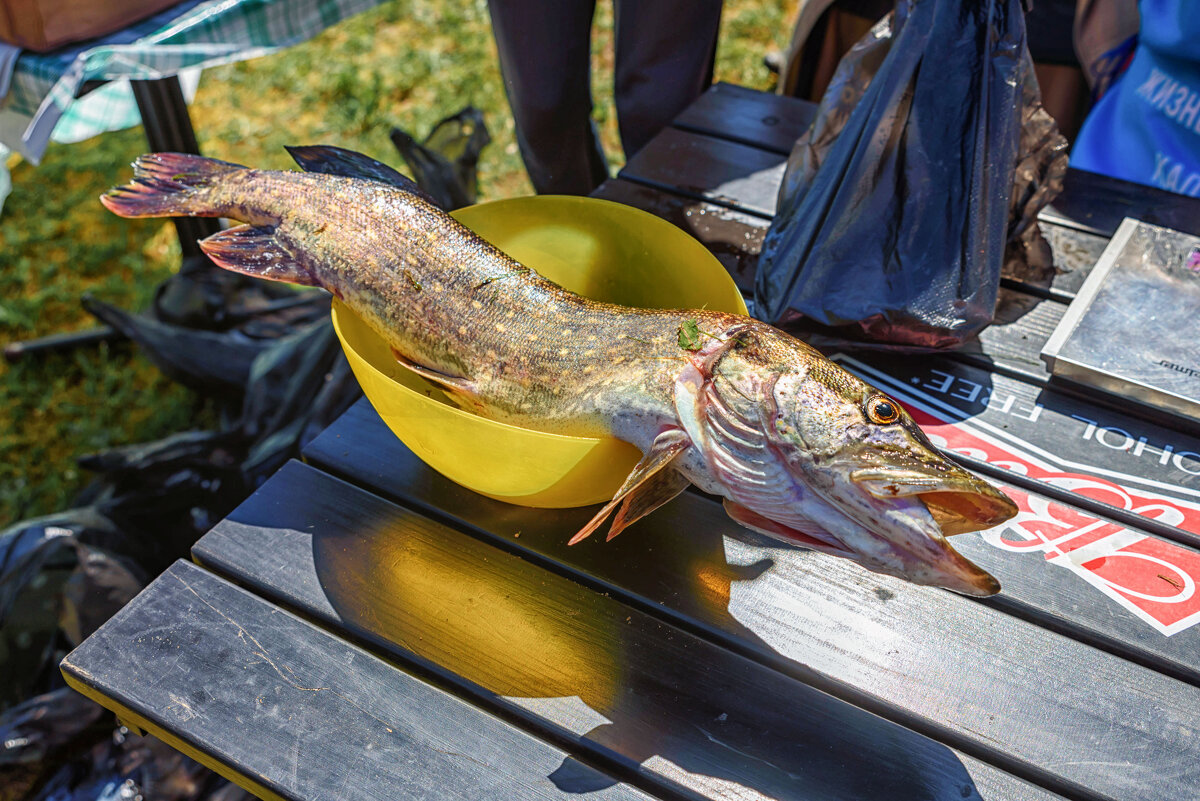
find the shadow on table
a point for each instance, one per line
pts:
(633, 689)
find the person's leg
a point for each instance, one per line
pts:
(664, 54)
(545, 48)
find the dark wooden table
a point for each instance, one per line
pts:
(362, 627)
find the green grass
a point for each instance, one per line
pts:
(407, 63)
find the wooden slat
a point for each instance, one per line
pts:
(1075, 254)
(734, 237)
(613, 681)
(915, 654)
(1013, 342)
(759, 119)
(1097, 203)
(291, 712)
(1059, 594)
(733, 175)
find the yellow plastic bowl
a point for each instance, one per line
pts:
(603, 250)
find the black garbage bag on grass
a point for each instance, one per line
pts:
(444, 165)
(61, 576)
(894, 214)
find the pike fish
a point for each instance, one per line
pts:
(801, 450)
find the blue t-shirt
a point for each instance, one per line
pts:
(1147, 127)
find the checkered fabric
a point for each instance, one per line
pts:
(41, 96)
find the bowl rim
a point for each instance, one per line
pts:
(338, 307)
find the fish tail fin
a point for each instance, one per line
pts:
(169, 185)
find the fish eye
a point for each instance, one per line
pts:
(882, 411)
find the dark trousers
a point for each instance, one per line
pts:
(664, 60)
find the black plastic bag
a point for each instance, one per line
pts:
(60, 577)
(444, 165)
(894, 214)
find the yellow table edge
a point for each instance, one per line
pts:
(128, 717)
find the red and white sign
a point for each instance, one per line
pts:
(1152, 578)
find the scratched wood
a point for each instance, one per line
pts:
(767, 121)
(1097, 203)
(612, 681)
(1013, 342)
(921, 656)
(729, 174)
(304, 714)
(1075, 254)
(734, 237)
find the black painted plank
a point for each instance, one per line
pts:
(726, 173)
(1075, 254)
(750, 117)
(734, 237)
(301, 713)
(615, 682)
(1097, 203)
(921, 656)
(1013, 342)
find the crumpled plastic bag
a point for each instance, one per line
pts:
(444, 165)
(63, 747)
(60, 576)
(929, 154)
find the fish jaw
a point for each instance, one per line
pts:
(959, 501)
(783, 435)
(901, 538)
(887, 478)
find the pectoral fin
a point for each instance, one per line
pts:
(453, 383)
(254, 250)
(651, 484)
(650, 494)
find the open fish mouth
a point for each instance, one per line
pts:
(958, 501)
(896, 521)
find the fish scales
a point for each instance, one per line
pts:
(801, 450)
(544, 358)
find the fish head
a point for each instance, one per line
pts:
(809, 454)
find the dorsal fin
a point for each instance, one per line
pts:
(331, 160)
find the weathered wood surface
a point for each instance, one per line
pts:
(766, 121)
(740, 177)
(304, 714)
(920, 656)
(734, 237)
(1097, 203)
(614, 683)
